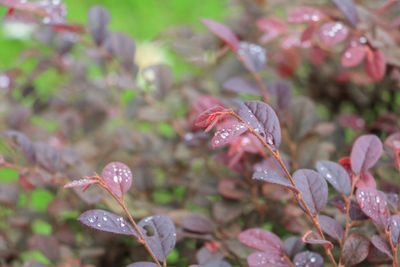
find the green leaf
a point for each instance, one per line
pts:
(35, 255)
(41, 227)
(40, 199)
(166, 130)
(8, 175)
(173, 256)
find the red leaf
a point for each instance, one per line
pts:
(208, 118)
(305, 15)
(353, 56)
(375, 65)
(366, 180)
(222, 32)
(332, 33)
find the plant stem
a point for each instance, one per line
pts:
(393, 247)
(140, 236)
(298, 195)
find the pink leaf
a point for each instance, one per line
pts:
(375, 65)
(305, 15)
(353, 56)
(332, 33)
(222, 32)
(228, 131)
(366, 151)
(261, 240)
(366, 180)
(118, 177)
(272, 27)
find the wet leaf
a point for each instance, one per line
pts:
(305, 15)
(261, 240)
(106, 221)
(269, 171)
(118, 177)
(381, 244)
(331, 227)
(394, 228)
(142, 264)
(336, 175)
(373, 203)
(263, 119)
(160, 233)
(308, 259)
(267, 259)
(353, 56)
(98, 22)
(355, 249)
(227, 131)
(253, 56)
(209, 117)
(375, 64)
(222, 32)
(332, 33)
(366, 151)
(313, 188)
(80, 183)
(348, 9)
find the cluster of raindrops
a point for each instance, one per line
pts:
(119, 172)
(308, 259)
(334, 29)
(80, 182)
(253, 55)
(224, 135)
(106, 221)
(305, 15)
(264, 259)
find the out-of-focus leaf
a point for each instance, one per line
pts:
(375, 64)
(123, 48)
(24, 143)
(332, 33)
(222, 32)
(241, 86)
(160, 233)
(142, 264)
(198, 224)
(381, 244)
(353, 55)
(305, 15)
(253, 56)
(394, 228)
(313, 188)
(98, 23)
(303, 117)
(348, 9)
(106, 221)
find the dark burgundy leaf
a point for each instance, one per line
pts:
(348, 9)
(118, 177)
(313, 188)
(293, 245)
(267, 259)
(312, 238)
(227, 131)
(98, 22)
(281, 92)
(142, 264)
(241, 86)
(305, 15)
(355, 249)
(24, 143)
(394, 228)
(381, 244)
(123, 48)
(198, 224)
(262, 118)
(253, 56)
(331, 227)
(353, 56)
(222, 32)
(106, 221)
(366, 151)
(332, 33)
(308, 259)
(261, 240)
(336, 175)
(375, 65)
(373, 203)
(160, 233)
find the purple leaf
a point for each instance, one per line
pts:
(308, 259)
(281, 91)
(331, 227)
(348, 9)
(356, 214)
(270, 175)
(312, 238)
(106, 221)
(366, 151)
(160, 234)
(262, 118)
(336, 175)
(293, 245)
(228, 130)
(142, 264)
(261, 240)
(373, 203)
(222, 32)
(253, 56)
(394, 228)
(123, 48)
(118, 177)
(241, 86)
(382, 245)
(355, 249)
(332, 33)
(79, 183)
(24, 143)
(47, 157)
(198, 224)
(98, 22)
(313, 188)
(267, 259)
(305, 15)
